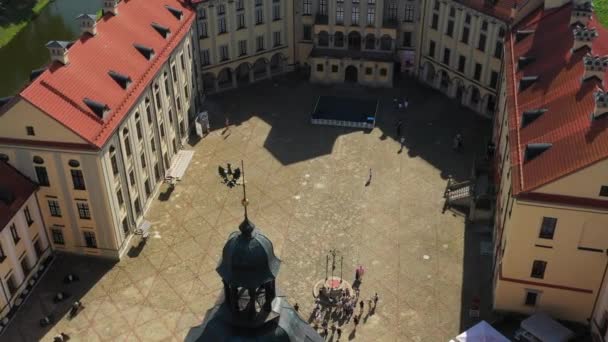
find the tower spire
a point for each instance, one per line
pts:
(246, 226)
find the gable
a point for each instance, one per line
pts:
(585, 182)
(20, 114)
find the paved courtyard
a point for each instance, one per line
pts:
(306, 186)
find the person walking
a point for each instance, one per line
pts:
(361, 305)
(339, 332)
(356, 321)
(296, 307)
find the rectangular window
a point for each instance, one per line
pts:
(181, 61)
(203, 32)
(462, 60)
(37, 249)
(432, 49)
(307, 32)
(162, 130)
(477, 74)
(148, 111)
(121, 200)
(28, 216)
(166, 79)
(355, 15)
(260, 42)
(436, 5)
(14, 234)
(83, 210)
(30, 130)
(450, 29)
(435, 21)
(11, 284)
(127, 145)
(307, 7)
(186, 93)
(334, 68)
(147, 188)
(2, 255)
(484, 25)
(240, 21)
(152, 145)
(132, 178)
(178, 102)
(547, 228)
(114, 164)
(452, 12)
(465, 35)
(89, 239)
(259, 16)
(493, 80)
(24, 266)
(277, 38)
(137, 207)
(371, 16)
(482, 42)
(340, 14)
(205, 59)
(221, 9)
(604, 191)
(392, 11)
(323, 7)
(407, 39)
(239, 4)
(224, 53)
(538, 269)
(57, 236)
(319, 67)
(156, 172)
(258, 3)
(498, 50)
(276, 11)
(138, 129)
(54, 208)
(409, 13)
(531, 298)
(221, 25)
(173, 74)
(143, 161)
(467, 18)
(446, 56)
(78, 179)
(125, 226)
(41, 174)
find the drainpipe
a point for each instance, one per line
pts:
(599, 290)
(421, 39)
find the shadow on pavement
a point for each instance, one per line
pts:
(89, 270)
(428, 126)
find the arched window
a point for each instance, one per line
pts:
(125, 137)
(113, 160)
(41, 174)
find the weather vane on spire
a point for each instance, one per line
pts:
(245, 201)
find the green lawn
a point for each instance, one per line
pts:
(601, 10)
(17, 17)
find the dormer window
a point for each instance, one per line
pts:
(100, 109)
(535, 150)
(145, 51)
(162, 30)
(176, 13)
(122, 80)
(526, 81)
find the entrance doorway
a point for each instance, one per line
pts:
(351, 74)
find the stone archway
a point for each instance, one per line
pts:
(209, 82)
(351, 74)
(243, 74)
(354, 41)
(386, 43)
(276, 63)
(475, 98)
(224, 78)
(260, 69)
(444, 81)
(323, 39)
(429, 73)
(370, 42)
(339, 39)
(489, 102)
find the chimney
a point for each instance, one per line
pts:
(59, 51)
(581, 13)
(110, 6)
(595, 66)
(87, 23)
(583, 36)
(601, 103)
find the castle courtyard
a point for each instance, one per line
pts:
(306, 186)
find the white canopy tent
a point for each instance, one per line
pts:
(480, 332)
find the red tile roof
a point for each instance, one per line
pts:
(60, 90)
(501, 9)
(576, 141)
(18, 187)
